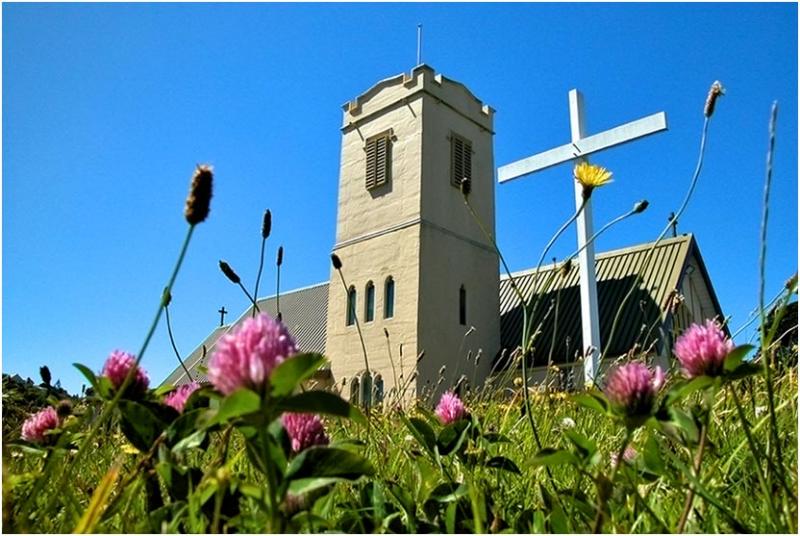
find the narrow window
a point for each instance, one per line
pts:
(351, 306)
(369, 303)
(379, 161)
(462, 306)
(388, 299)
(354, 390)
(378, 389)
(460, 159)
(366, 390)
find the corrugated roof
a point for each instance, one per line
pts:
(304, 312)
(558, 313)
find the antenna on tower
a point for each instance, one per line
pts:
(419, 44)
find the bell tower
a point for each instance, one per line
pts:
(417, 265)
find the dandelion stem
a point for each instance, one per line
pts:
(648, 255)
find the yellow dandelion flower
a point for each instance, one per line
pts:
(591, 176)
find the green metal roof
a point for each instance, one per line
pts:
(557, 316)
(305, 310)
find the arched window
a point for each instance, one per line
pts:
(354, 390)
(388, 298)
(369, 303)
(462, 306)
(351, 306)
(366, 390)
(378, 389)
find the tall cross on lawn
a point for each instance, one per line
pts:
(575, 152)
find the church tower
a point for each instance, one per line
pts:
(417, 265)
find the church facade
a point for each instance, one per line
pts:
(421, 281)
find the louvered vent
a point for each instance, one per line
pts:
(378, 151)
(460, 159)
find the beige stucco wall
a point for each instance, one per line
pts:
(416, 229)
(394, 254)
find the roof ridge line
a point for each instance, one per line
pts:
(299, 289)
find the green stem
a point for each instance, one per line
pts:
(249, 297)
(172, 342)
(272, 484)
(684, 204)
(108, 408)
(260, 269)
(687, 506)
(765, 353)
(754, 451)
(602, 499)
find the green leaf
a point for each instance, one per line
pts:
(538, 522)
(139, 424)
(493, 437)
(736, 357)
(329, 462)
(450, 518)
(549, 456)
(594, 401)
(422, 431)
(501, 462)
(452, 436)
(163, 389)
(89, 374)
(744, 370)
(448, 492)
(306, 485)
(288, 375)
(683, 421)
(253, 491)
(652, 457)
(558, 521)
(585, 446)
(184, 425)
(321, 402)
(682, 390)
(191, 441)
(238, 404)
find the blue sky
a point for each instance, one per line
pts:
(106, 109)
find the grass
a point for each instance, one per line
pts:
(496, 500)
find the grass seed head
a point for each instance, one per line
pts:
(229, 273)
(266, 224)
(199, 199)
(713, 94)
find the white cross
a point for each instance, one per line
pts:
(580, 147)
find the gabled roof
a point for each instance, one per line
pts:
(304, 311)
(557, 316)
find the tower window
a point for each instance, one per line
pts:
(460, 159)
(379, 161)
(369, 303)
(462, 306)
(351, 306)
(355, 390)
(388, 299)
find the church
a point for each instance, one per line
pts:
(421, 282)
